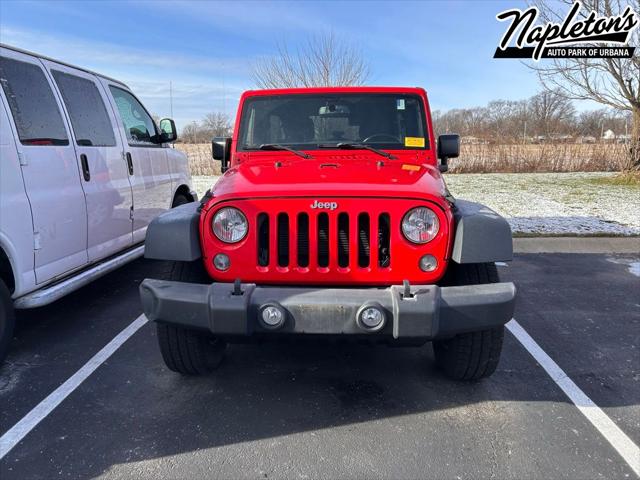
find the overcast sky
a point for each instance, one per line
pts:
(206, 48)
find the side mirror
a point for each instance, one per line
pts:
(168, 131)
(448, 147)
(221, 150)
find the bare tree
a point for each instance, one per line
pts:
(214, 124)
(190, 133)
(596, 122)
(614, 82)
(592, 122)
(217, 124)
(550, 113)
(322, 61)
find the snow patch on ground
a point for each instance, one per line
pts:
(632, 264)
(203, 183)
(554, 203)
(543, 203)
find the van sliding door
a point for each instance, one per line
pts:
(49, 169)
(99, 153)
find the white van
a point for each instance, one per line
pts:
(83, 170)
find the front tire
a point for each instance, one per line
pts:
(189, 351)
(473, 355)
(7, 320)
(180, 199)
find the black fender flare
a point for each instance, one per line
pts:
(481, 234)
(174, 234)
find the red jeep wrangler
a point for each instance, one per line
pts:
(332, 219)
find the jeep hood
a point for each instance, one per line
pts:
(355, 175)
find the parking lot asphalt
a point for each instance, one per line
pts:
(330, 410)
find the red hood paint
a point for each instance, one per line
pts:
(332, 174)
(278, 185)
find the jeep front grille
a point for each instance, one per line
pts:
(344, 237)
(325, 241)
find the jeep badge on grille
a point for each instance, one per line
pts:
(324, 205)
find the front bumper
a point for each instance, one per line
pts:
(428, 312)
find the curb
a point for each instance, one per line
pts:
(577, 245)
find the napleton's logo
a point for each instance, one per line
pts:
(591, 36)
(324, 205)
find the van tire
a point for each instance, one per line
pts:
(473, 355)
(180, 199)
(7, 320)
(189, 351)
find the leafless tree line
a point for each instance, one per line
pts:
(547, 116)
(215, 124)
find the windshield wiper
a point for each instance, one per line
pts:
(363, 146)
(276, 146)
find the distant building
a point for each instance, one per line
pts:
(471, 140)
(556, 138)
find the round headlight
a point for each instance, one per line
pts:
(230, 225)
(420, 225)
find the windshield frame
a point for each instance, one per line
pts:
(316, 146)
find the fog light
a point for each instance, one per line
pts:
(371, 317)
(428, 263)
(272, 316)
(221, 262)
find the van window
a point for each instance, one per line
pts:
(32, 103)
(138, 124)
(88, 114)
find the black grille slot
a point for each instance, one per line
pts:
(323, 240)
(364, 245)
(384, 240)
(263, 240)
(343, 240)
(283, 239)
(303, 240)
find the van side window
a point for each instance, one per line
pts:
(88, 114)
(138, 124)
(32, 103)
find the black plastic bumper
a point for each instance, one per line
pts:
(428, 312)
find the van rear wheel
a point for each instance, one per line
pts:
(473, 355)
(7, 320)
(189, 351)
(180, 199)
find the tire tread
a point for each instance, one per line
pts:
(188, 351)
(473, 355)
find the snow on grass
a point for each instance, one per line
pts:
(554, 203)
(543, 203)
(202, 183)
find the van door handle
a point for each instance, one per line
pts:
(85, 167)
(129, 163)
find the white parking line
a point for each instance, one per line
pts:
(13, 436)
(628, 450)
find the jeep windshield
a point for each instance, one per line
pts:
(322, 121)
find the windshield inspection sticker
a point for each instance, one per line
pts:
(411, 168)
(400, 104)
(414, 142)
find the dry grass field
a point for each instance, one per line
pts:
(484, 158)
(200, 161)
(562, 157)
